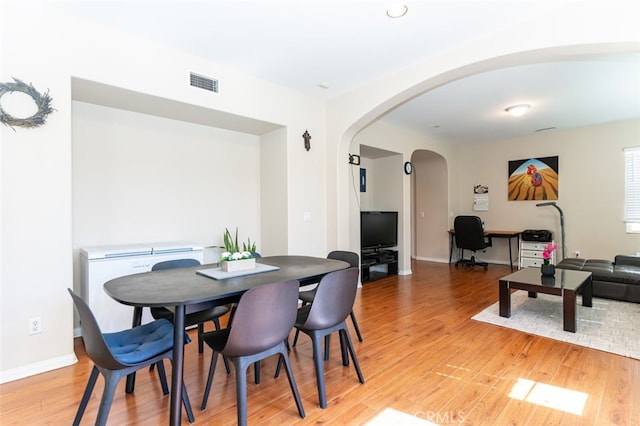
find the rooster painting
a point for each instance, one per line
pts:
(533, 179)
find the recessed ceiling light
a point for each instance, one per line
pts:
(396, 10)
(518, 110)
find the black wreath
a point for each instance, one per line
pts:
(43, 102)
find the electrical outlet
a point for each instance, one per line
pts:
(577, 252)
(35, 325)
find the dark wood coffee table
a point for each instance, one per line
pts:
(566, 283)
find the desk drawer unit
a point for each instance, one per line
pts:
(531, 253)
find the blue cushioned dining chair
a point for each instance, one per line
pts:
(262, 322)
(116, 355)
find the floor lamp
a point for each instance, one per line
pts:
(552, 203)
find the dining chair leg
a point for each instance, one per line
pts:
(241, 390)
(278, 367)
(317, 360)
(226, 364)
(207, 389)
(163, 377)
(216, 322)
(232, 312)
(327, 341)
(343, 348)
(295, 338)
(187, 404)
(356, 365)
(93, 377)
(284, 358)
(110, 383)
(200, 340)
(355, 326)
(256, 372)
(281, 360)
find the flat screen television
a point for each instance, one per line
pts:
(378, 230)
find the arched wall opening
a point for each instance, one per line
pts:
(405, 142)
(429, 206)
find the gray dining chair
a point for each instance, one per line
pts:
(263, 320)
(307, 296)
(327, 314)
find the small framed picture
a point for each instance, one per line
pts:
(363, 180)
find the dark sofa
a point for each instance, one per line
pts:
(619, 280)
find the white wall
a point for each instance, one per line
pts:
(384, 177)
(572, 30)
(42, 46)
(274, 217)
(591, 187)
(390, 137)
(140, 178)
(50, 49)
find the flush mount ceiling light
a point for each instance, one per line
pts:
(396, 10)
(518, 110)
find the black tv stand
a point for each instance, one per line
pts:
(371, 258)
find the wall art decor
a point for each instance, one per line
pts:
(307, 140)
(533, 179)
(42, 101)
(480, 198)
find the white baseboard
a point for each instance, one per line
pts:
(480, 259)
(37, 368)
(432, 259)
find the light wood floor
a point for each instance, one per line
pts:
(422, 356)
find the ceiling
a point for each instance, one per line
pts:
(328, 47)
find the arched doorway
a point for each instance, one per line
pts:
(429, 206)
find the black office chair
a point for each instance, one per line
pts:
(469, 234)
(116, 355)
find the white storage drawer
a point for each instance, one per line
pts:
(531, 253)
(526, 262)
(528, 245)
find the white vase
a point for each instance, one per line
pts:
(238, 265)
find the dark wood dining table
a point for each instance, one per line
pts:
(184, 286)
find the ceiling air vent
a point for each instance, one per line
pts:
(204, 82)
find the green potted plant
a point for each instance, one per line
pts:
(233, 258)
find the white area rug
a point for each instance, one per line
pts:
(609, 325)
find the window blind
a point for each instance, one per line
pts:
(632, 184)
